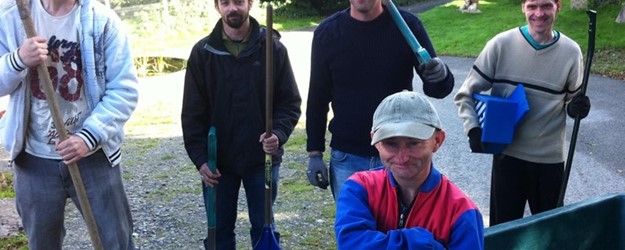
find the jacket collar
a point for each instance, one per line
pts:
(216, 45)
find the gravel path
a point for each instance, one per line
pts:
(164, 191)
(162, 184)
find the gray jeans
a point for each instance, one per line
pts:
(42, 187)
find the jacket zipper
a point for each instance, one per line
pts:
(403, 210)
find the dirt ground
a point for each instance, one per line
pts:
(9, 220)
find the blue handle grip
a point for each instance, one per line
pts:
(422, 54)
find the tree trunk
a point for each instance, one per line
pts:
(579, 4)
(621, 16)
(165, 14)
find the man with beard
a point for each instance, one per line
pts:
(225, 88)
(549, 65)
(359, 57)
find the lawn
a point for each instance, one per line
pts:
(453, 33)
(460, 34)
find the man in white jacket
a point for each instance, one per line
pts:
(88, 58)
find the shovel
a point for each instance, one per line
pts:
(268, 239)
(209, 193)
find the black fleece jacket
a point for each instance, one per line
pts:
(228, 92)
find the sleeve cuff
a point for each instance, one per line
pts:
(89, 139)
(16, 62)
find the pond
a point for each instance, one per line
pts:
(158, 65)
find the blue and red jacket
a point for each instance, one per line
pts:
(442, 216)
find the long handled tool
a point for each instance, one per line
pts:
(268, 239)
(422, 54)
(592, 25)
(209, 193)
(24, 10)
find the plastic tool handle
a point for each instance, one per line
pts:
(422, 54)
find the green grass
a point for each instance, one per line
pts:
(290, 24)
(167, 194)
(313, 208)
(6, 191)
(6, 185)
(454, 33)
(297, 187)
(168, 157)
(19, 242)
(127, 176)
(162, 176)
(296, 143)
(156, 116)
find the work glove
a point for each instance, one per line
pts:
(475, 140)
(317, 172)
(579, 106)
(434, 71)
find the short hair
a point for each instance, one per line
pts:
(217, 2)
(522, 1)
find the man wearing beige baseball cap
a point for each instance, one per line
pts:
(406, 203)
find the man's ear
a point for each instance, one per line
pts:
(439, 138)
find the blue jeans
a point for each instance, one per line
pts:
(42, 187)
(227, 196)
(343, 165)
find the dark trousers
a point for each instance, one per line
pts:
(515, 181)
(227, 197)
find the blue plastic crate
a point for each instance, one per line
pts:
(498, 118)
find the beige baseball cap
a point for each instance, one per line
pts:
(405, 113)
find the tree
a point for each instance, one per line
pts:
(583, 4)
(579, 4)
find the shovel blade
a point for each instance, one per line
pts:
(210, 240)
(267, 240)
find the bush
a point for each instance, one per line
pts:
(129, 3)
(328, 7)
(299, 9)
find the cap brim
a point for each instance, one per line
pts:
(406, 129)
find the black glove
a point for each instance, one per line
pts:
(317, 172)
(475, 140)
(579, 106)
(434, 71)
